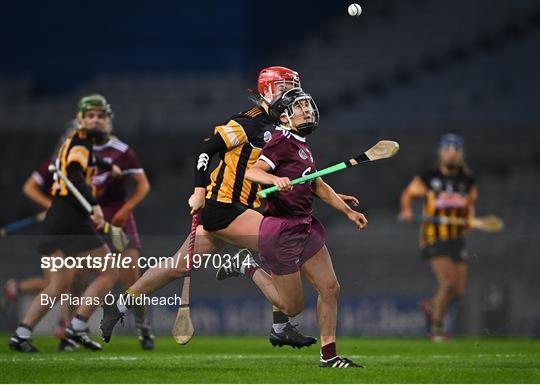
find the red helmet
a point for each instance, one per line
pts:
(271, 76)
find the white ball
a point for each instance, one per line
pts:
(355, 9)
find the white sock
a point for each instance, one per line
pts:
(121, 306)
(23, 332)
(78, 324)
(278, 328)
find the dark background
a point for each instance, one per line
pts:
(407, 70)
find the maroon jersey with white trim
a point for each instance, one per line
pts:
(289, 156)
(43, 177)
(108, 189)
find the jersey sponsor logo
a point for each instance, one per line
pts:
(302, 154)
(202, 163)
(108, 159)
(267, 136)
(450, 200)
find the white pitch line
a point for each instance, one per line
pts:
(181, 357)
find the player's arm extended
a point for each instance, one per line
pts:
(331, 198)
(472, 197)
(417, 188)
(32, 190)
(259, 173)
(208, 149)
(142, 187)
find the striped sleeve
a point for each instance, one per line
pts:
(79, 154)
(232, 133)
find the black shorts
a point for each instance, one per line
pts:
(217, 215)
(68, 228)
(453, 248)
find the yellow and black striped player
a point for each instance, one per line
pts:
(69, 231)
(239, 143)
(67, 225)
(449, 192)
(227, 202)
(447, 196)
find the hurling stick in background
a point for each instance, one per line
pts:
(489, 223)
(382, 150)
(183, 330)
(118, 237)
(22, 223)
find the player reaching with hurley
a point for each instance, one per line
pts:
(291, 239)
(70, 231)
(228, 204)
(449, 191)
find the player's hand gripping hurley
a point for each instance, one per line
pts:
(118, 237)
(183, 330)
(382, 150)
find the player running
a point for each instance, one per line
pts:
(228, 204)
(117, 209)
(449, 190)
(70, 231)
(37, 188)
(291, 240)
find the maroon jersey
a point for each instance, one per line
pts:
(43, 177)
(289, 156)
(112, 190)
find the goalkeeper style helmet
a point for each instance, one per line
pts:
(285, 105)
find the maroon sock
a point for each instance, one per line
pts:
(328, 351)
(250, 270)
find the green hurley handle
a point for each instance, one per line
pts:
(306, 178)
(383, 149)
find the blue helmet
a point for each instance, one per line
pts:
(454, 140)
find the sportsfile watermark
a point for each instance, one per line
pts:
(118, 261)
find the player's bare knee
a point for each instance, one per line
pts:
(331, 290)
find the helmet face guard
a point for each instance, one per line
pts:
(276, 80)
(285, 105)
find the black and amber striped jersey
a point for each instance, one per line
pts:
(244, 135)
(77, 148)
(447, 196)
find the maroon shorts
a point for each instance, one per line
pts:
(130, 227)
(285, 243)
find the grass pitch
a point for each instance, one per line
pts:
(250, 359)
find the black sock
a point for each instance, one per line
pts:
(81, 317)
(280, 317)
